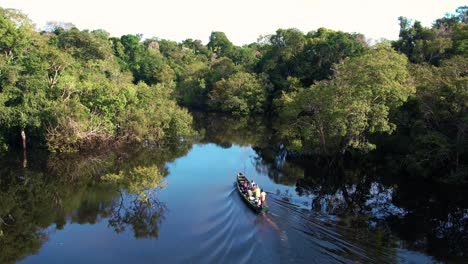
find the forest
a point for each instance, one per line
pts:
(325, 92)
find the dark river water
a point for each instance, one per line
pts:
(180, 205)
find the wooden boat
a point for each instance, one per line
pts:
(240, 181)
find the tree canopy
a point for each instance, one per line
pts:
(70, 89)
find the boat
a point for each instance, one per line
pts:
(258, 209)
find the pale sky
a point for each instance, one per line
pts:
(243, 21)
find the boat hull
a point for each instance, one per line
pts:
(239, 181)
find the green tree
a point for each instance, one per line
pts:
(220, 44)
(246, 56)
(308, 58)
(153, 69)
(84, 45)
(153, 116)
(23, 82)
(282, 56)
(460, 39)
(242, 93)
(325, 48)
(439, 119)
(191, 88)
(332, 116)
(197, 46)
(431, 45)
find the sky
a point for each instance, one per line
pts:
(243, 21)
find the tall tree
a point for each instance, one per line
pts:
(242, 94)
(308, 58)
(220, 44)
(22, 95)
(332, 116)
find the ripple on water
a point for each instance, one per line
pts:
(325, 240)
(232, 233)
(228, 232)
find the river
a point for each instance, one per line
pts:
(180, 205)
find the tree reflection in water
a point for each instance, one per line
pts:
(120, 186)
(371, 196)
(371, 201)
(144, 216)
(138, 207)
(374, 201)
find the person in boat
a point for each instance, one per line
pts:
(245, 186)
(258, 203)
(254, 187)
(262, 197)
(257, 193)
(250, 194)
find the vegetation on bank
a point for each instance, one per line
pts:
(329, 92)
(67, 89)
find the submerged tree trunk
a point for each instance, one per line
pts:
(23, 138)
(23, 141)
(25, 159)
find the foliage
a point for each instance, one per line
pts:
(220, 44)
(437, 120)
(138, 181)
(152, 116)
(307, 57)
(76, 188)
(340, 113)
(72, 89)
(431, 45)
(434, 120)
(242, 93)
(68, 88)
(84, 45)
(191, 89)
(23, 75)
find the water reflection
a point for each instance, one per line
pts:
(119, 186)
(225, 130)
(143, 216)
(369, 199)
(351, 209)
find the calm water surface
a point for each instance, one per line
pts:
(59, 211)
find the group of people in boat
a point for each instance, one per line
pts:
(254, 193)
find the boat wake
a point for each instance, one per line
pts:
(321, 237)
(233, 233)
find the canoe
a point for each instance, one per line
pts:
(240, 181)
